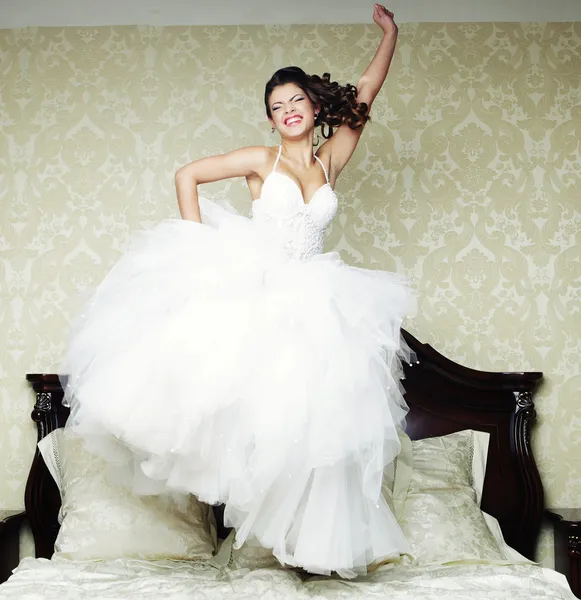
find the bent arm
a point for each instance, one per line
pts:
(244, 162)
(344, 141)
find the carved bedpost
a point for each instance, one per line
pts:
(41, 413)
(48, 413)
(41, 496)
(532, 514)
(450, 397)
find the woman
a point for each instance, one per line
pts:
(277, 366)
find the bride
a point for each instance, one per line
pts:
(239, 362)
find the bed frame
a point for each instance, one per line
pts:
(443, 397)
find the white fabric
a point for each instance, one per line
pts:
(481, 439)
(441, 518)
(242, 365)
(39, 579)
(49, 450)
(394, 489)
(463, 453)
(102, 520)
(298, 227)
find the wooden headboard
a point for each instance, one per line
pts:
(443, 397)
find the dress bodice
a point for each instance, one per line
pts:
(298, 225)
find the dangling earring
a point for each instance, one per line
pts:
(316, 141)
(273, 130)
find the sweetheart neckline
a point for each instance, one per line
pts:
(297, 186)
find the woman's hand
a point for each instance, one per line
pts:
(384, 18)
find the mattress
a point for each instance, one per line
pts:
(61, 579)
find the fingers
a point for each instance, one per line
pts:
(381, 8)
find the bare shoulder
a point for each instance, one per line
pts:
(259, 153)
(264, 157)
(250, 161)
(255, 158)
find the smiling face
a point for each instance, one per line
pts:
(292, 111)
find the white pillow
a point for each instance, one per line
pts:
(442, 519)
(102, 520)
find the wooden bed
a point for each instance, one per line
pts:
(443, 397)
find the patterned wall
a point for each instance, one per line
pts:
(468, 180)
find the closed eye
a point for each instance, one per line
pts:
(293, 99)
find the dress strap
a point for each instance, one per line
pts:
(323, 166)
(318, 159)
(277, 158)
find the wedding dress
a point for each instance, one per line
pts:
(238, 362)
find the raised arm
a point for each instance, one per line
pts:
(344, 141)
(245, 162)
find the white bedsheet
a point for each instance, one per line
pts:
(37, 579)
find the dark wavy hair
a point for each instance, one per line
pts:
(338, 103)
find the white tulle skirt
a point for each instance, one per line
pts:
(247, 378)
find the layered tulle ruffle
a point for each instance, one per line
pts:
(242, 376)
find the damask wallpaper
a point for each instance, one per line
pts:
(468, 180)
